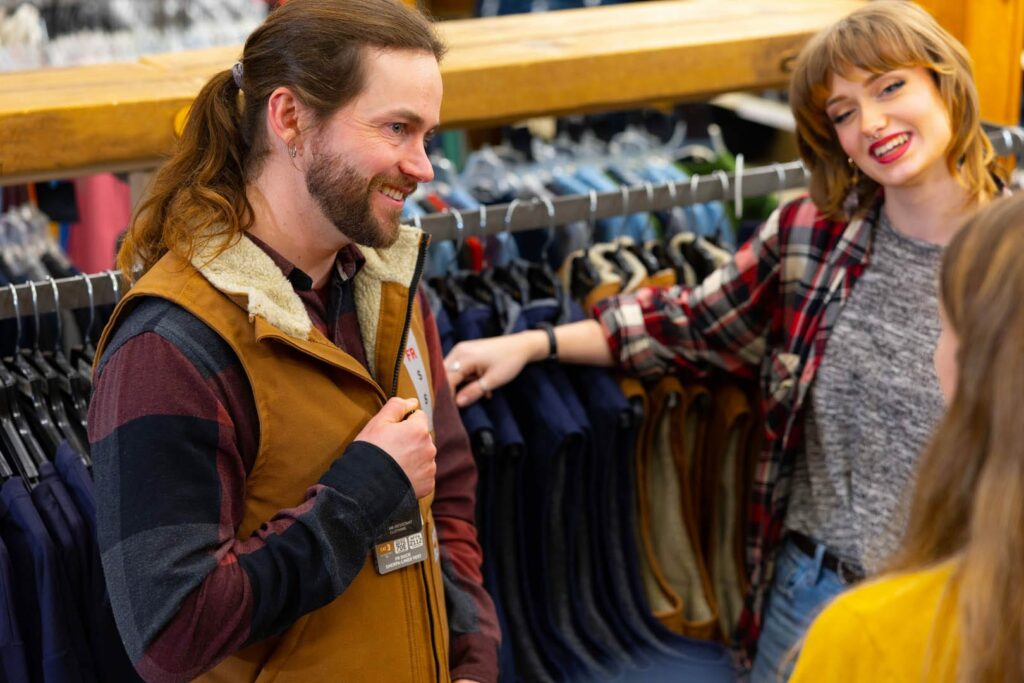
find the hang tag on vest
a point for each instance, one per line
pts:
(402, 543)
(413, 360)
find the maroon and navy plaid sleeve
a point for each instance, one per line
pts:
(472, 620)
(174, 433)
(723, 322)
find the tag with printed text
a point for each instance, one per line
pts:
(401, 543)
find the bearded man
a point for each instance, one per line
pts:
(285, 489)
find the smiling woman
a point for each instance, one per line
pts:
(831, 303)
(861, 70)
(895, 116)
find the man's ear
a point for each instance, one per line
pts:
(287, 119)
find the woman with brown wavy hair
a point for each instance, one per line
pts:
(831, 304)
(951, 607)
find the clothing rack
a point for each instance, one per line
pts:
(719, 185)
(100, 289)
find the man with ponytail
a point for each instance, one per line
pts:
(285, 489)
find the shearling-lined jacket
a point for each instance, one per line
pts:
(214, 546)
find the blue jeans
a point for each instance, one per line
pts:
(801, 589)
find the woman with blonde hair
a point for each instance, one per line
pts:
(952, 606)
(888, 124)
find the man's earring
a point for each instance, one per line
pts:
(292, 151)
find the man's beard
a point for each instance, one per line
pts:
(344, 196)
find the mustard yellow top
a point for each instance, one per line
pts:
(900, 627)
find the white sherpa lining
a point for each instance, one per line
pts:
(245, 269)
(394, 264)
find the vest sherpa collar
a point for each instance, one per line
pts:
(395, 264)
(243, 269)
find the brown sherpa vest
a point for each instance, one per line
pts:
(312, 400)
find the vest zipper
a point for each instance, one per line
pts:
(416, 274)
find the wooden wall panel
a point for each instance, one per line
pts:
(54, 122)
(993, 32)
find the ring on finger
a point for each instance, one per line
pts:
(483, 386)
(456, 365)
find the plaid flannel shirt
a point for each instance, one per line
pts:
(768, 313)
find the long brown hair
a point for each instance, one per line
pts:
(879, 37)
(313, 47)
(968, 501)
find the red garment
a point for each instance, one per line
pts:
(104, 210)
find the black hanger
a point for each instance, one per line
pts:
(15, 435)
(57, 384)
(541, 278)
(82, 356)
(507, 278)
(75, 388)
(583, 276)
(13, 448)
(701, 264)
(5, 469)
(31, 391)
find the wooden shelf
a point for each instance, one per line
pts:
(61, 122)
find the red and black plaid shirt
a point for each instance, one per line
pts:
(768, 312)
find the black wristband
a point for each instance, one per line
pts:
(552, 342)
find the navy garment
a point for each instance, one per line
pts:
(574, 531)
(610, 414)
(561, 653)
(482, 439)
(550, 433)
(68, 534)
(13, 666)
(500, 479)
(111, 659)
(38, 599)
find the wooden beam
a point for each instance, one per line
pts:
(993, 32)
(54, 122)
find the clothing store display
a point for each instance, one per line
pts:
(630, 527)
(647, 327)
(722, 488)
(569, 586)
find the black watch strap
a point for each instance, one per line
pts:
(552, 342)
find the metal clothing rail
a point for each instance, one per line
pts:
(90, 291)
(753, 182)
(83, 291)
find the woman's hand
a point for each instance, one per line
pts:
(476, 368)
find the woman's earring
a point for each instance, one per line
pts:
(852, 200)
(292, 151)
(855, 172)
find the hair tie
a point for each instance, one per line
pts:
(236, 73)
